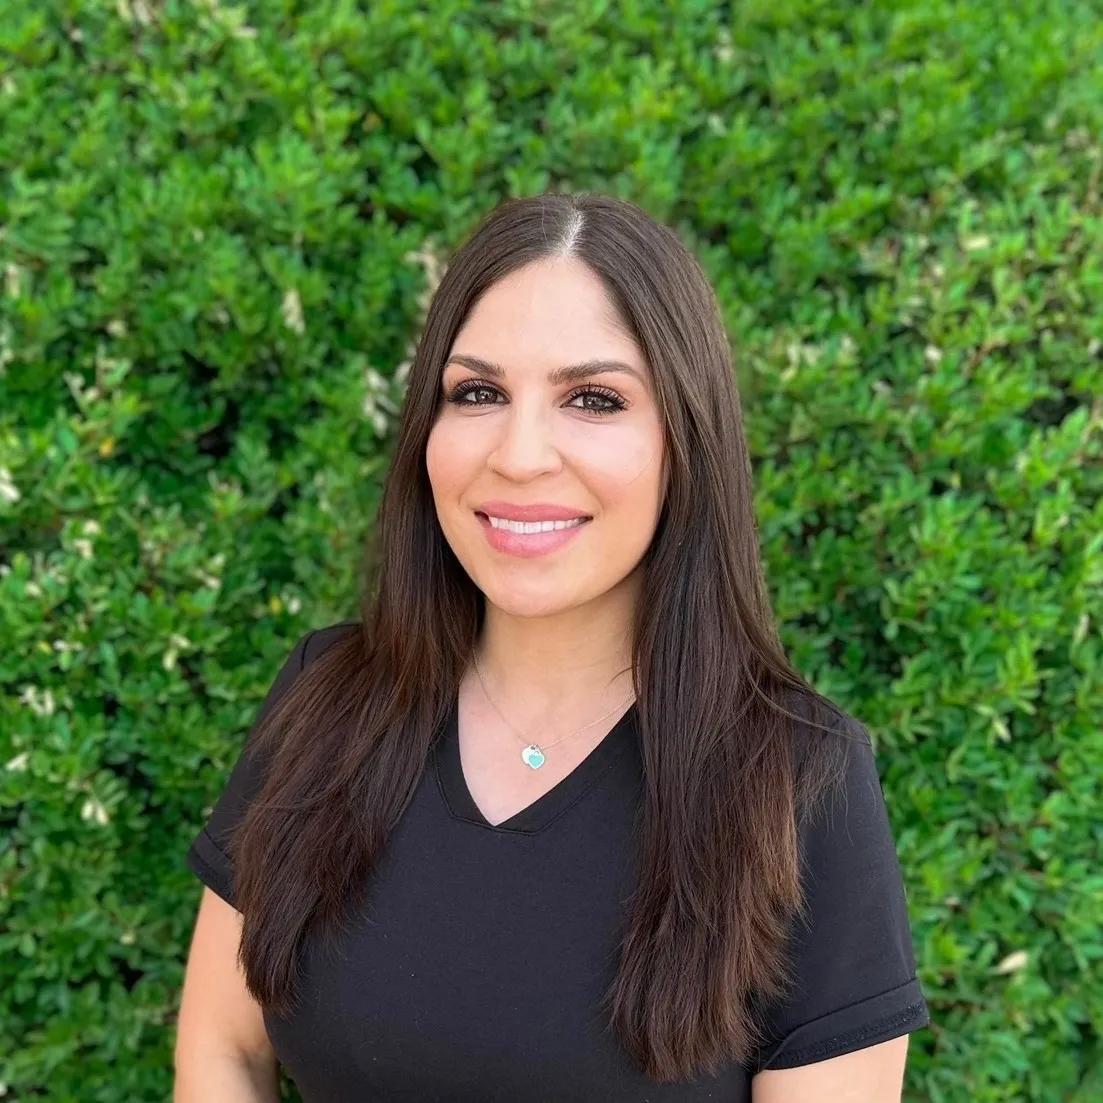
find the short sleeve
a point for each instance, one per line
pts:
(852, 955)
(207, 857)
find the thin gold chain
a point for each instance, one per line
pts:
(531, 743)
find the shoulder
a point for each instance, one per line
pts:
(844, 805)
(307, 648)
(833, 753)
(319, 640)
(853, 963)
(844, 830)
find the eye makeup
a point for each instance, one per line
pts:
(613, 403)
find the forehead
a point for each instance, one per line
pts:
(552, 312)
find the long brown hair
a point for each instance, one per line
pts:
(729, 770)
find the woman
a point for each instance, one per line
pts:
(555, 819)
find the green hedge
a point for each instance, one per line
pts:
(218, 228)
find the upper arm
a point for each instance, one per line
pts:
(854, 971)
(871, 1075)
(218, 1016)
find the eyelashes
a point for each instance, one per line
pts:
(611, 401)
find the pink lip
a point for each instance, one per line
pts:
(527, 545)
(538, 511)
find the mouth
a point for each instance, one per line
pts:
(526, 539)
(529, 528)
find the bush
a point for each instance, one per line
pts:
(218, 228)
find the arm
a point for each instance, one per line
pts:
(871, 1075)
(841, 1032)
(222, 1054)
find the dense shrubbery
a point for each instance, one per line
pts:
(218, 226)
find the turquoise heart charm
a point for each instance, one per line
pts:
(533, 756)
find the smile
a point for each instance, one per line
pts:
(534, 526)
(527, 539)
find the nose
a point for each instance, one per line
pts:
(525, 446)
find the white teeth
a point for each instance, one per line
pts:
(526, 527)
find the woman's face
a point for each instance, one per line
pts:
(520, 439)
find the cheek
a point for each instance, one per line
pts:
(450, 459)
(625, 467)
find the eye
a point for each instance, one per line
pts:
(472, 387)
(594, 400)
(598, 400)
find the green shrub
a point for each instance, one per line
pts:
(218, 227)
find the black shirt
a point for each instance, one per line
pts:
(473, 970)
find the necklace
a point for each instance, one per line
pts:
(533, 755)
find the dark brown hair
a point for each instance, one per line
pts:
(729, 770)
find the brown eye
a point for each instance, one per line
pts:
(472, 387)
(597, 400)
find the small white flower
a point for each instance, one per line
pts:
(932, 354)
(797, 353)
(94, 810)
(434, 266)
(19, 763)
(1013, 962)
(42, 704)
(374, 382)
(293, 311)
(84, 547)
(12, 280)
(9, 492)
(976, 241)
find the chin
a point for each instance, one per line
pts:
(531, 604)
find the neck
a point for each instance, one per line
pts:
(576, 661)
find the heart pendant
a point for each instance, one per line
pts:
(533, 756)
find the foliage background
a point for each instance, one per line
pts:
(218, 228)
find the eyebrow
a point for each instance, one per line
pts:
(570, 373)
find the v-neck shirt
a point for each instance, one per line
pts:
(476, 958)
(538, 814)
